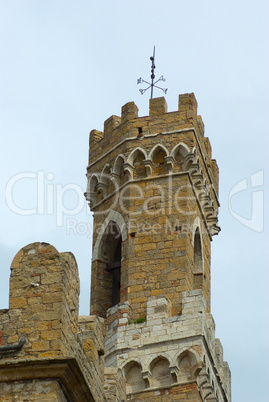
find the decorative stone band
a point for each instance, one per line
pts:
(64, 371)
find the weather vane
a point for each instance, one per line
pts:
(152, 84)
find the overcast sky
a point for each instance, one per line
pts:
(66, 66)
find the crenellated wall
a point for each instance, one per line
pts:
(47, 352)
(168, 352)
(153, 189)
(156, 175)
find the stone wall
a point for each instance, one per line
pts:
(45, 348)
(164, 353)
(36, 390)
(155, 178)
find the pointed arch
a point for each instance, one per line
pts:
(133, 375)
(118, 170)
(157, 156)
(92, 190)
(160, 372)
(136, 160)
(108, 254)
(135, 152)
(198, 258)
(106, 180)
(119, 161)
(92, 183)
(106, 271)
(188, 366)
(181, 149)
(104, 177)
(155, 148)
(117, 218)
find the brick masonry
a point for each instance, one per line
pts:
(153, 189)
(62, 355)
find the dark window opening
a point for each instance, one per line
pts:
(112, 272)
(198, 257)
(116, 273)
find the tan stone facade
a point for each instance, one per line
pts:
(153, 188)
(47, 352)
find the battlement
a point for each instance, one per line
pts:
(183, 346)
(130, 132)
(129, 125)
(42, 339)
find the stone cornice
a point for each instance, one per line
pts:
(155, 135)
(64, 370)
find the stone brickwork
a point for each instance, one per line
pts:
(169, 352)
(153, 189)
(47, 352)
(154, 177)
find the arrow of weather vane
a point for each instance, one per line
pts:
(152, 84)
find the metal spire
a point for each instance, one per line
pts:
(152, 84)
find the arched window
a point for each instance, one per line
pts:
(119, 171)
(187, 364)
(198, 256)
(134, 378)
(106, 271)
(138, 163)
(157, 155)
(111, 250)
(160, 372)
(179, 153)
(198, 270)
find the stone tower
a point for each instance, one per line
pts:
(153, 189)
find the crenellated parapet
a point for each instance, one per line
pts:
(47, 350)
(153, 189)
(135, 149)
(183, 350)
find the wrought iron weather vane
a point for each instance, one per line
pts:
(152, 84)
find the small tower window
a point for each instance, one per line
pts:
(198, 257)
(107, 282)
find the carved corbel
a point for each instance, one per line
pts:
(129, 170)
(103, 188)
(198, 178)
(214, 229)
(208, 393)
(115, 178)
(146, 377)
(208, 209)
(204, 198)
(149, 166)
(195, 370)
(170, 161)
(190, 160)
(174, 371)
(203, 377)
(92, 198)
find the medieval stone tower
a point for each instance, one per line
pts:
(153, 189)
